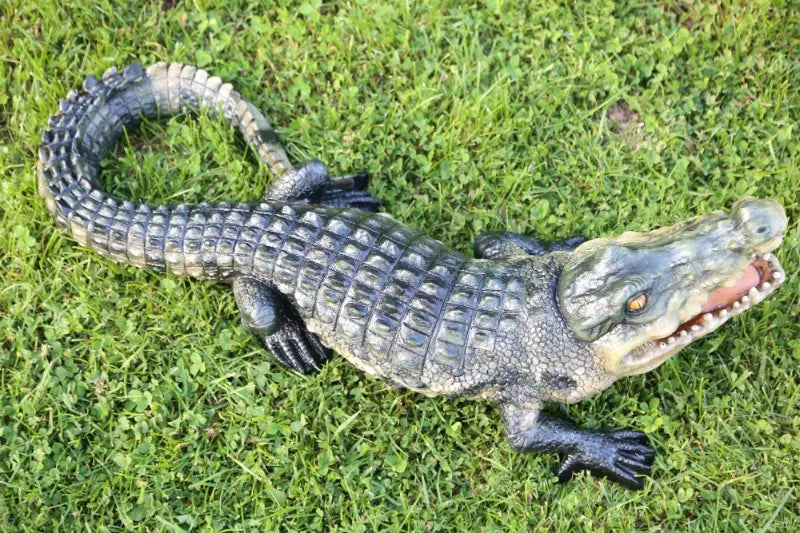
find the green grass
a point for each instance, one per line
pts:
(131, 400)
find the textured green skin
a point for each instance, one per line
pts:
(397, 304)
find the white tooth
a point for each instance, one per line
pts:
(662, 345)
(724, 312)
(745, 299)
(777, 275)
(736, 305)
(753, 293)
(767, 256)
(708, 317)
(766, 286)
(671, 340)
(695, 327)
(683, 333)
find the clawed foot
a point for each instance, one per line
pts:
(619, 455)
(297, 348)
(350, 192)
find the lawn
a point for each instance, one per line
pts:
(134, 400)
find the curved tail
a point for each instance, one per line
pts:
(87, 125)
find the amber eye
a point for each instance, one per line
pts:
(637, 303)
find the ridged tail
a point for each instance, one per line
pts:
(88, 124)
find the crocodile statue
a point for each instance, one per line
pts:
(314, 267)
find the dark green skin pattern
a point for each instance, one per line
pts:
(314, 267)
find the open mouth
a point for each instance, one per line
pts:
(762, 276)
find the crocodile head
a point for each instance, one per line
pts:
(639, 298)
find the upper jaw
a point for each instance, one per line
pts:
(655, 351)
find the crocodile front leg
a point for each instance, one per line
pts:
(508, 244)
(619, 455)
(266, 314)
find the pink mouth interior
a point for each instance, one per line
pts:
(725, 296)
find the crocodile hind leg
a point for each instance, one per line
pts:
(508, 244)
(311, 183)
(267, 314)
(620, 455)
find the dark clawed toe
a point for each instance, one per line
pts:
(286, 353)
(627, 478)
(353, 199)
(279, 354)
(298, 349)
(633, 443)
(291, 353)
(283, 352)
(646, 459)
(627, 434)
(633, 463)
(638, 450)
(308, 349)
(360, 180)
